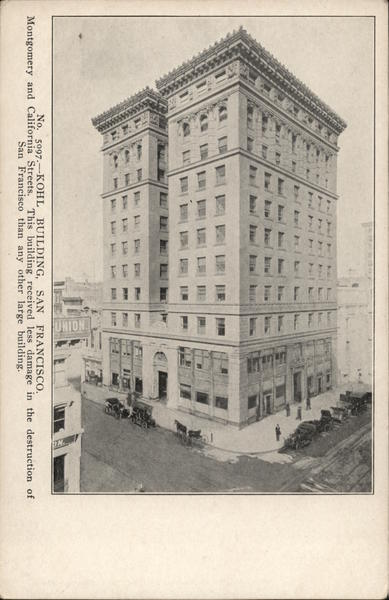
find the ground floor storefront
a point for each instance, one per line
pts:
(234, 385)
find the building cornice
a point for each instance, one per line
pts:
(241, 45)
(146, 99)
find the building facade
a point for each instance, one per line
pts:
(250, 316)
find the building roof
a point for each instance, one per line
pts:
(241, 43)
(146, 98)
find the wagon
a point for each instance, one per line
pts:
(355, 402)
(141, 416)
(113, 406)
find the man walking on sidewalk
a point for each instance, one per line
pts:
(278, 432)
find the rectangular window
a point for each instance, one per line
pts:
(220, 234)
(220, 327)
(250, 144)
(125, 271)
(137, 320)
(201, 264)
(139, 175)
(281, 239)
(203, 151)
(252, 294)
(264, 123)
(202, 398)
(201, 180)
(267, 211)
(201, 208)
(127, 179)
(296, 293)
(280, 293)
(186, 157)
(163, 223)
(294, 142)
(201, 325)
(136, 221)
(183, 239)
(124, 225)
(252, 326)
(183, 266)
(115, 183)
(278, 160)
(280, 187)
(220, 174)
(113, 204)
(297, 267)
(163, 294)
(183, 212)
(125, 247)
(280, 213)
(113, 227)
(220, 205)
(253, 204)
(222, 144)
(163, 200)
(163, 247)
(125, 319)
(252, 401)
(163, 271)
(278, 134)
(267, 293)
(137, 293)
(136, 198)
(136, 246)
(184, 184)
(185, 391)
(253, 175)
(264, 152)
(221, 402)
(113, 319)
(294, 166)
(267, 237)
(296, 322)
(296, 192)
(113, 249)
(184, 322)
(125, 293)
(281, 266)
(253, 234)
(267, 265)
(113, 293)
(296, 218)
(184, 293)
(201, 293)
(220, 262)
(267, 325)
(250, 115)
(113, 272)
(201, 237)
(59, 418)
(220, 293)
(280, 323)
(310, 293)
(124, 202)
(252, 263)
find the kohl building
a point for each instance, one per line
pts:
(220, 237)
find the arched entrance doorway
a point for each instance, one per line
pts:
(160, 367)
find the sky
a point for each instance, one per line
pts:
(98, 62)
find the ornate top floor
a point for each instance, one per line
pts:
(146, 99)
(239, 44)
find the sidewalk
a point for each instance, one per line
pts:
(257, 438)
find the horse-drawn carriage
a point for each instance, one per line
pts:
(113, 406)
(188, 436)
(141, 416)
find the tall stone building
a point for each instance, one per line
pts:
(251, 319)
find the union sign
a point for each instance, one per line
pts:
(71, 327)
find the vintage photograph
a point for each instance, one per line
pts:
(213, 255)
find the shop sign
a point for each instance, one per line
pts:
(65, 441)
(71, 327)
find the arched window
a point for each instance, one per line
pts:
(186, 129)
(222, 113)
(115, 160)
(204, 122)
(127, 156)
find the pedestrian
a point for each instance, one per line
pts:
(308, 403)
(287, 408)
(299, 413)
(278, 432)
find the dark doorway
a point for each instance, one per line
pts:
(310, 386)
(268, 404)
(138, 385)
(297, 386)
(319, 384)
(162, 384)
(59, 473)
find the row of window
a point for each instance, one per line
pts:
(202, 397)
(220, 178)
(127, 179)
(163, 224)
(204, 121)
(138, 155)
(280, 293)
(202, 360)
(163, 201)
(222, 147)
(115, 134)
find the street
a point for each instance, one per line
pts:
(120, 457)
